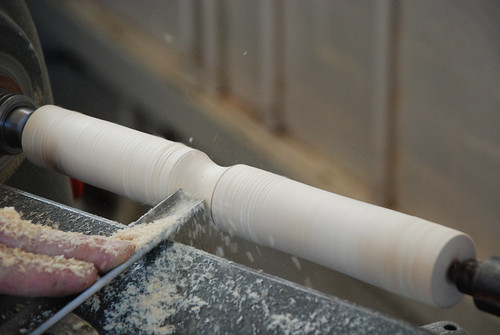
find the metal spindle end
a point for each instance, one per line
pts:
(481, 280)
(15, 110)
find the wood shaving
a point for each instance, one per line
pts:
(141, 234)
(23, 261)
(104, 252)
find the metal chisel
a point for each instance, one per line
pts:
(177, 204)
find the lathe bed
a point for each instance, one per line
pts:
(177, 288)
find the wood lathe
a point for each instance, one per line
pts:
(397, 252)
(406, 255)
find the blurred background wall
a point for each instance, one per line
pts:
(392, 102)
